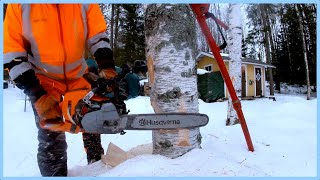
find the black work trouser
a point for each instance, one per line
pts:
(52, 150)
(92, 146)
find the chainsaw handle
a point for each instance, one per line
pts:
(95, 91)
(97, 82)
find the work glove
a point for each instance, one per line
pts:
(46, 106)
(104, 58)
(105, 61)
(101, 85)
(29, 83)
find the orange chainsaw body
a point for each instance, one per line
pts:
(69, 103)
(68, 109)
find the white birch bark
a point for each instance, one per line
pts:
(235, 43)
(171, 42)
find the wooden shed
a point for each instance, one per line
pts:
(253, 73)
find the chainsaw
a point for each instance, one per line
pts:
(103, 111)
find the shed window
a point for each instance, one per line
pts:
(208, 68)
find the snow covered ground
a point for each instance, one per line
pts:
(283, 132)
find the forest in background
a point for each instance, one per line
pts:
(280, 34)
(271, 33)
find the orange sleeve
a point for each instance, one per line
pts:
(95, 21)
(12, 29)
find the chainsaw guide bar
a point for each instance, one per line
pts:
(107, 121)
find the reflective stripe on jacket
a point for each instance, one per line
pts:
(53, 37)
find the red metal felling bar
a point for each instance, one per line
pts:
(200, 10)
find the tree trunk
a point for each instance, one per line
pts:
(271, 50)
(103, 9)
(311, 26)
(219, 17)
(286, 37)
(235, 44)
(214, 27)
(112, 25)
(267, 44)
(170, 50)
(116, 30)
(304, 47)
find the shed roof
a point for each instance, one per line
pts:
(226, 57)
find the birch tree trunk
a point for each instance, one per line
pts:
(170, 49)
(235, 43)
(304, 47)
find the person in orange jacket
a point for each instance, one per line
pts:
(44, 47)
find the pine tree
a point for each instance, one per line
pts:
(132, 33)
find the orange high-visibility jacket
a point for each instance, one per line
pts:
(53, 37)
